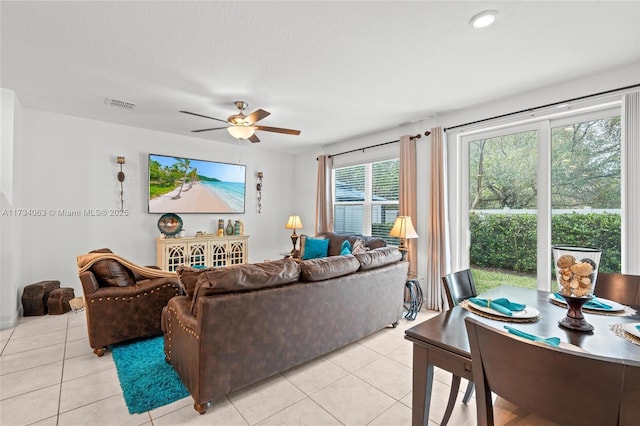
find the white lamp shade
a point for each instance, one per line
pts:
(403, 228)
(294, 222)
(241, 132)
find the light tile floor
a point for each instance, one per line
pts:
(50, 376)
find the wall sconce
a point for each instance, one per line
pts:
(259, 189)
(120, 160)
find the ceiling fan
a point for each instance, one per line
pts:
(242, 126)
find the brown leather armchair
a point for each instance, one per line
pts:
(123, 301)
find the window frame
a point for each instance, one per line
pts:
(368, 203)
(460, 232)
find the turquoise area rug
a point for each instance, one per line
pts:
(146, 379)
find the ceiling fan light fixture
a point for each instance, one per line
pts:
(241, 132)
(483, 19)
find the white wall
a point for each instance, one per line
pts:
(70, 163)
(10, 197)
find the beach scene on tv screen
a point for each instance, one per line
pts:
(183, 185)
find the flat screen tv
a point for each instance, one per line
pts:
(185, 185)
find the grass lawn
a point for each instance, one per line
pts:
(486, 279)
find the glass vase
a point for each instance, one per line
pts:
(576, 273)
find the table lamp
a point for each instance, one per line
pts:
(403, 229)
(294, 223)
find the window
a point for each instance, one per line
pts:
(516, 198)
(366, 199)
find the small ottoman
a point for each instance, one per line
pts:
(58, 302)
(35, 297)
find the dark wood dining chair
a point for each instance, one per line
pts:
(458, 286)
(548, 384)
(621, 288)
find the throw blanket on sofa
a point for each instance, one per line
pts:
(85, 261)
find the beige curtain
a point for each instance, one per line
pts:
(408, 203)
(437, 249)
(324, 195)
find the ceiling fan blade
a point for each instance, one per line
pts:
(253, 138)
(206, 130)
(203, 116)
(278, 130)
(257, 115)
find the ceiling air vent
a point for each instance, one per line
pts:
(116, 103)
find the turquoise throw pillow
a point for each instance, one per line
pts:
(346, 248)
(315, 248)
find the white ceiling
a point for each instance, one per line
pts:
(334, 70)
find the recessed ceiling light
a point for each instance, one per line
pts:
(483, 19)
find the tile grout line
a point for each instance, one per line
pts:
(64, 359)
(235, 408)
(308, 395)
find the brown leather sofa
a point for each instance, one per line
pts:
(123, 304)
(241, 324)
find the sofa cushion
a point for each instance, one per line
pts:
(328, 267)
(378, 257)
(315, 248)
(346, 248)
(359, 247)
(336, 240)
(189, 277)
(303, 241)
(111, 273)
(245, 277)
(373, 242)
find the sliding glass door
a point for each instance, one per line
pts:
(530, 186)
(585, 186)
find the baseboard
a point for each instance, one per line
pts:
(9, 321)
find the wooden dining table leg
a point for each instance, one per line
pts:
(422, 386)
(453, 394)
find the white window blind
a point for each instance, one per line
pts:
(366, 198)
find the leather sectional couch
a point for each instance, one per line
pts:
(241, 324)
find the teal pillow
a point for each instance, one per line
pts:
(346, 248)
(315, 248)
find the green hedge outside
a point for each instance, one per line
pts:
(508, 241)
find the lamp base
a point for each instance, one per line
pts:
(575, 319)
(403, 252)
(294, 240)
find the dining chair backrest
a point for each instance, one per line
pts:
(459, 286)
(621, 288)
(565, 386)
(630, 408)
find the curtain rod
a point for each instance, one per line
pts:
(418, 136)
(543, 106)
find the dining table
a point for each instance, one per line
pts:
(442, 341)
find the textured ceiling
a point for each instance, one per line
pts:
(334, 70)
